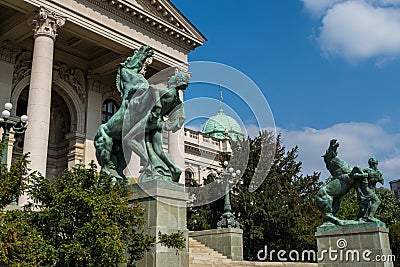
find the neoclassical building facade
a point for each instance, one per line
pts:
(58, 65)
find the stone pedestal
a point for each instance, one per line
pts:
(357, 245)
(165, 205)
(227, 241)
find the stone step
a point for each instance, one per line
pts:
(207, 258)
(206, 254)
(214, 261)
(202, 256)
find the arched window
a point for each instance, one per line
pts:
(109, 109)
(189, 175)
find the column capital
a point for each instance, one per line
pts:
(46, 23)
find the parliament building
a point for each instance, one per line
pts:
(58, 65)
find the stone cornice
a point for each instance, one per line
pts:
(195, 149)
(148, 21)
(175, 13)
(165, 10)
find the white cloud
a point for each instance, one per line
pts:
(358, 142)
(391, 167)
(358, 30)
(319, 7)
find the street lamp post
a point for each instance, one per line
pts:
(7, 124)
(227, 218)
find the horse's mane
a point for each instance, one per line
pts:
(334, 164)
(134, 63)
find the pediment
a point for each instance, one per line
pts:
(166, 11)
(157, 16)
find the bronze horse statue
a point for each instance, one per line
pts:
(137, 126)
(337, 185)
(108, 139)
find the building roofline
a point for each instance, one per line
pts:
(188, 21)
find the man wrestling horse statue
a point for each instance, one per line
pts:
(144, 125)
(137, 125)
(340, 182)
(108, 139)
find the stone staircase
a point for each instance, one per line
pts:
(202, 256)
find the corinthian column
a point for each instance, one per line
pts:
(45, 26)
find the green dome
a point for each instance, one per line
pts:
(219, 125)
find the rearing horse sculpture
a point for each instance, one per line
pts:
(337, 185)
(108, 139)
(137, 126)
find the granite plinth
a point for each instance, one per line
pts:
(355, 245)
(165, 212)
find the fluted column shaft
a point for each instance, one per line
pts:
(45, 25)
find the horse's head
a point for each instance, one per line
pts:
(137, 60)
(334, 144)
(331, 152)
(145, 51)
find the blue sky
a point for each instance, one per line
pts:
(328, 69)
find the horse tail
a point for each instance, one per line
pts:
(118, 82)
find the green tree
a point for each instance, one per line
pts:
(12, 180)
(21, 244)
(280, 213)
(208, 215)
(87, 219)
(394, 236)
(79, 219)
